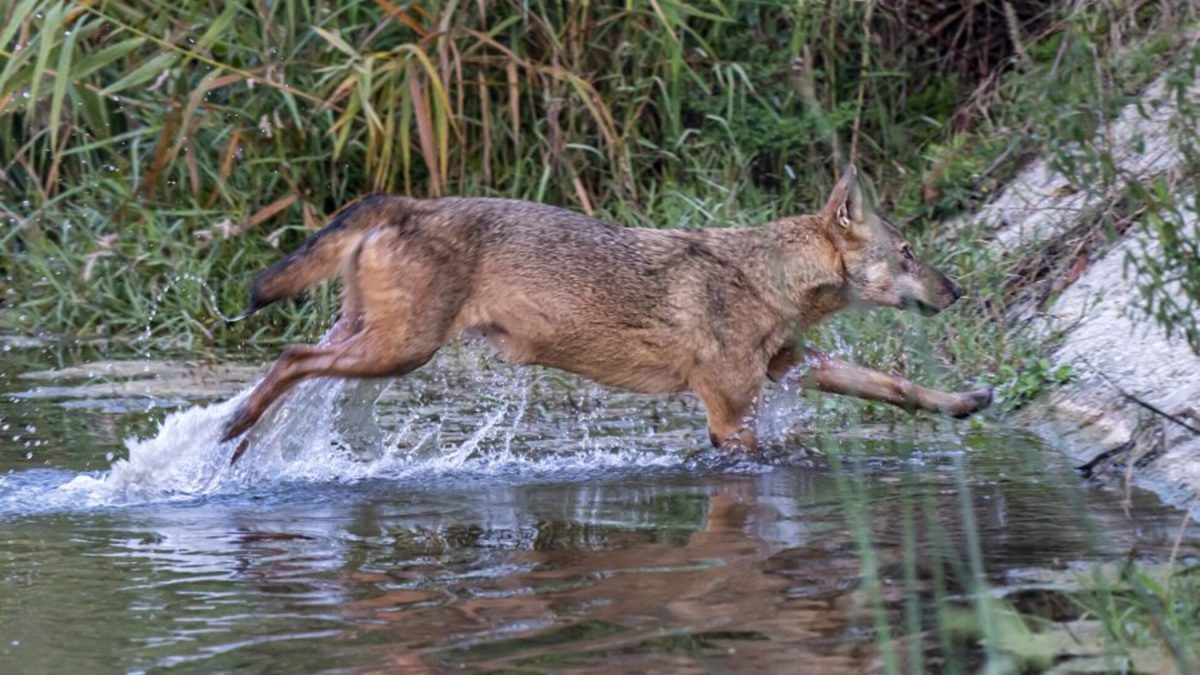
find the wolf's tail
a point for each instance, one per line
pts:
(319, 258)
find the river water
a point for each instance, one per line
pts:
(506, 519)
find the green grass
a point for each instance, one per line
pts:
(156, 157)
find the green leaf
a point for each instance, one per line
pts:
(142, 74)
(102, 58)
(15, 21)
(46, 33)
(61, 79)
(337, 41)
(219, 24)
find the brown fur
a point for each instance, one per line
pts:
(711, 311)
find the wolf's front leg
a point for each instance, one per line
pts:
(834, 376)
(729, 403)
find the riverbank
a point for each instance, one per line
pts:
(1129, 412)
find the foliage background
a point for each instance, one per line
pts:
(154, 156)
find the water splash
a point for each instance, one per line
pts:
(207, 291)
(185, 458)
(327, 430)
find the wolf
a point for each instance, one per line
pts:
(711, 311)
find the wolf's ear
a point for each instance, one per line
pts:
(845, 207)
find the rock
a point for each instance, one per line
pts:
(1041, 204)
(1136, 395)
(1120, 357)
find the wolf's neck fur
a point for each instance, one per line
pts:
(813, 279)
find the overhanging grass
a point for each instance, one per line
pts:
(157, 157)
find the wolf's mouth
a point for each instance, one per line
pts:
(921, 306)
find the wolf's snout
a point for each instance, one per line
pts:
(956, 291)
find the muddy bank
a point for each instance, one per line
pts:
(1132, 410)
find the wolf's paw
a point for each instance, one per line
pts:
(238, 423)
(738, 442)
(738, 447)
(239, 451)
(972, 402)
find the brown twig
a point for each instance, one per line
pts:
(1145, 404)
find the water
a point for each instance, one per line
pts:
(496, 519)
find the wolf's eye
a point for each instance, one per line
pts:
(907, 252)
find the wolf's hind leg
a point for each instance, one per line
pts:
(402, 296)
(367, 353)
(828, 374)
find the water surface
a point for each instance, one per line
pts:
(501, 519)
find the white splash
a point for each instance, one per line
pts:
(184, 458)
(326, 430)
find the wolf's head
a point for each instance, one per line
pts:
(880, 265)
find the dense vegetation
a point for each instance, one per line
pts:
(149, 147)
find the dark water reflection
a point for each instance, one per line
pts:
(635, 572)
(687, 568)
